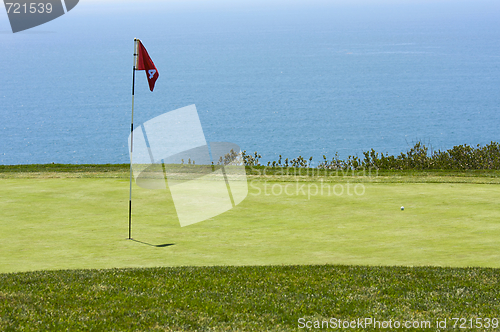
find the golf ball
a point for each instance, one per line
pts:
(402, 208)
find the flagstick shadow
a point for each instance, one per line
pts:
(154, 245)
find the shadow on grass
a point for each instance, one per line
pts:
(154, 245)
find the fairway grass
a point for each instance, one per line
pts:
(71, 220)
(262, 298)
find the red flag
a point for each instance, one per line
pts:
(144, 62)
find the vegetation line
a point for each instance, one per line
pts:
(461, 157)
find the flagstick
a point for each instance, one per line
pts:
(132, 143)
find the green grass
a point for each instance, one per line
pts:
(75, 217)
(79, 220)
(265, 298)
(75, 168)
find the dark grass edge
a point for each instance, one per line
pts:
(264, 267)
(252, 170)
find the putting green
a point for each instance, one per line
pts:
(69, 222)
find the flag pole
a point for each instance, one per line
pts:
(132, 142)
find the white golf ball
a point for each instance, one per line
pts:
(402, 208)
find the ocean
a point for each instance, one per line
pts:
(285, 78)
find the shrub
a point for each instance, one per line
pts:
(460, 157)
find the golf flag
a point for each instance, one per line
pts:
(144, 62)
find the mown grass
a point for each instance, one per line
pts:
(74, 220)
(73, 223)
(75, 216)
(264, 298)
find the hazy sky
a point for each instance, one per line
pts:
(438, 7)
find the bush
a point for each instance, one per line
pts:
(461, 157)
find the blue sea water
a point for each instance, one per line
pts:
(290, 78)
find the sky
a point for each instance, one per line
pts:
(388, 7)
